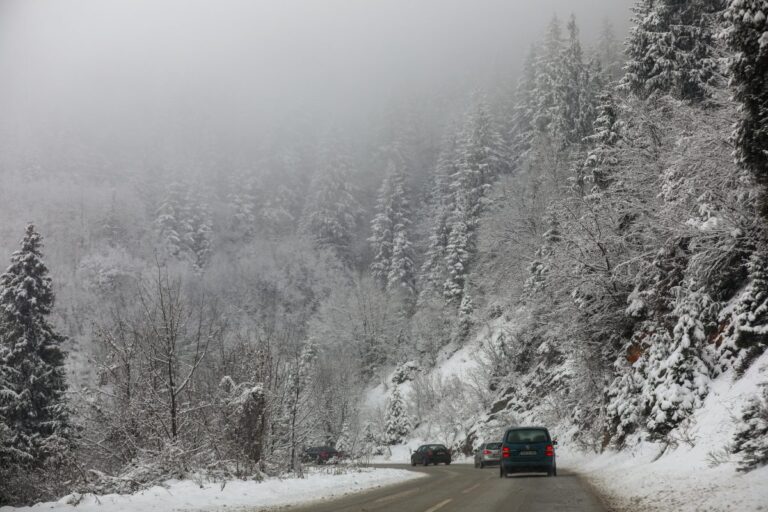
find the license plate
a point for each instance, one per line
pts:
(529, 452)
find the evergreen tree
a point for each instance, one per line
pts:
(747, 39)
(184, 225)
(397, 424)
(200, 228)
(751, 438)
(603, 160)
(547, 92)
(575, 106)
(609, 52)
(332, 212)
(457, 255)
(745, 333)
(243, 202)
(481, 157)
(671, 48)
(624, 408)
(33, 409)
(172, 220)
(434, 270)
(393, 265)
(678, 373)
(524, 112)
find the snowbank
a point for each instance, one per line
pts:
(187, 495)
(696, 475)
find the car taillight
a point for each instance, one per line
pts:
(549, 450)
(505, 452)
(486, 452)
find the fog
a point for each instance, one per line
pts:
(119, 77)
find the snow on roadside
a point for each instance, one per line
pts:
(187, 495)
(685, 478)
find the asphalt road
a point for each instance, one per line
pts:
(460, 487)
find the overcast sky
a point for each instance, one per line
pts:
(102, 67)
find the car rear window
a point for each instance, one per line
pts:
(493, 446)
(528, 435)
(436, 447)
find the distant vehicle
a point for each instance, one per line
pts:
(321, 454)
(489, 454)
(528, 450)
(427, 454)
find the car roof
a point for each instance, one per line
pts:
(531, 427)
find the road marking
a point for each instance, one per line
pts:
(396, 496)
(439, 505)
(470, 489)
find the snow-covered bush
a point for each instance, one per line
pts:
(751, 439)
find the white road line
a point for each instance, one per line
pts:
(396, 496)
(439, 505)
(470, 489)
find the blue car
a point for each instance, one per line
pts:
(528, 450)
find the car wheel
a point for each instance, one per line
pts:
(502, 473)
(482, 466)
(554, 470)
(413, 462)
(448, 463)
(551, 472)
(426, 462)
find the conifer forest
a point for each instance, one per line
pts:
(202, 276)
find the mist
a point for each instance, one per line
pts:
(161, 79)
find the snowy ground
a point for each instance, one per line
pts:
(698, 474)
(235, 495)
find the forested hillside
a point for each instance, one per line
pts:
(594, 227)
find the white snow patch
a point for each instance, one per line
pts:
(647, 478)
(188, 495)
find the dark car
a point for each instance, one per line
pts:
(427, 454)
(528, 450)
(321, 454)
(489, 454)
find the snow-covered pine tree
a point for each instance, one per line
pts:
(744, 334)
(671, 48)
(624, 408)
(332, 212)
(466, 308)
(397, 423)
(679, 374)
(184, 225)
(172, 220)
(603, 159)
(546, 92)
(393, 265)
(575, 110)
(344, 442)
(381, 232)
(200, 229)
(434, 270)
(243, 203)
(750, 441)
(33, 405)
(748, 40)
(457, 255)
(522, 123)
(609, 52)
(481, 157)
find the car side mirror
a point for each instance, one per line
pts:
(554, 442)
